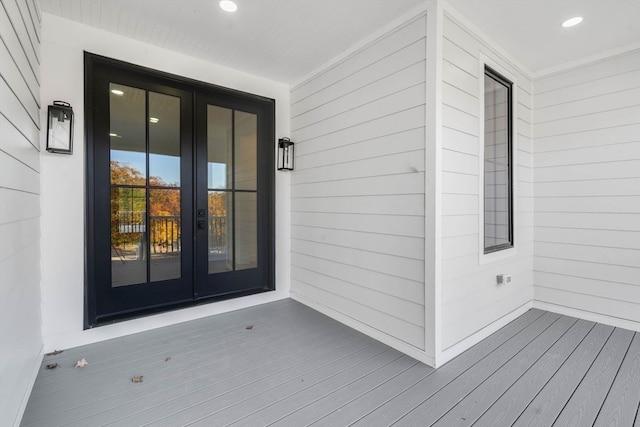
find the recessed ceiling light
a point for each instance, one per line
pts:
(117, 92)
(115, 135)
(571, 22)
(228, 6)
(154, 119)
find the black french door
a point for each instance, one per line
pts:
(179, 192)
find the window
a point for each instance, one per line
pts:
(498, 174)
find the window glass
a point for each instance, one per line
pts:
(498, 216)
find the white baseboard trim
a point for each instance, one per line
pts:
(399, 345)
(588, 315)
(32, 382)
(458, 348)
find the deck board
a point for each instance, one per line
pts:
(297, 367)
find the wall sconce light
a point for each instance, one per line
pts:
(60, 128)
(285, 154)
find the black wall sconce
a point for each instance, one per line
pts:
(60, 128)
(285, 154)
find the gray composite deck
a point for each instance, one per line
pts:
(297, 367)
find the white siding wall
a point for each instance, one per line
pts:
(357, 194)
(471, 299)
(587, 190)
(20, 325)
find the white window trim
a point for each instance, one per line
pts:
(483, 258)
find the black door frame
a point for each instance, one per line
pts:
(96, 285)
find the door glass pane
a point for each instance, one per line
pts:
(127, 134)
(246, 165)
(219, 147)
(164, 140)
(246, 231)
(165, 244)
(128, 236)
(220, 231)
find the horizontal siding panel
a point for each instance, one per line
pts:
(613, 118)
(594, 304)
(388, 75)
(15, 36)
(455, 247)
(588, 270)
(406, 268)
(399, 225)
(588, 286)
(400, 246)
(12, 76)
(403, 100)
(454, 183)
(588, 155)
(466, 288)
(524, 96)
(589, 188)
(384, 303)
(460, 79)
(18, 146)
(412, 118)
(404, 141)
(412, 183)
(586, 172)
(455, 268)
(457, 322)
(459, 225)
(592, 138)
(380, 205)
(612, 204)
(588, 73)
(459, 99)
(460, 120)
(454, 161)
(392, 164)
(395, 286)
(18, 206)
(605, 102)
(622, 81)
(15, 113)
(592, 237)
(411, 334)
(18, 176)
(12, 277)
(404, 36)
(594, 254)
(18, 14)
(18, 235)
(461, 58)
(454, 140)
(459, 204)
(591, 221)
(29, 9)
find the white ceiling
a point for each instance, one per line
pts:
(286, 39)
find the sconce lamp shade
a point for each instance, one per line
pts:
(60, 128)
(285, 154)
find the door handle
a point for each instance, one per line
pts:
(202, 224)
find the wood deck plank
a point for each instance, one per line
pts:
(585, 403)
(543, 410)
(405, 402)
(297, 367)
(477, 401)
(513, 402)
(622, 403)
(334, 401)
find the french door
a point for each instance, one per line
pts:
(179, 192)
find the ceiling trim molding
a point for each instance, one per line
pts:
(607, 54)
(483, 38)
(404, 19)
